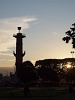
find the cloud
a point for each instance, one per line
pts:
(40, 21)
(8, 27)
(11, 60)
(5, 54)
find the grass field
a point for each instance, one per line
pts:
(37, 93)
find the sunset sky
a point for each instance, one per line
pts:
(44, 22)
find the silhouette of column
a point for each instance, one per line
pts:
(19, 49)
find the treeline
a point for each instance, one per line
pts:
(56, 69)
(48, 70)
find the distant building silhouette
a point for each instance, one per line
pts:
(19, 50)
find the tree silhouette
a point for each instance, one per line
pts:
(70, 35)
(49, 63)
(47, 73)
(50, 69)
(70, 75)
(27, 73)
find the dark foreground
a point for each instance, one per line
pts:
(37, 93)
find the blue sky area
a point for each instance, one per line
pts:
(44, 22)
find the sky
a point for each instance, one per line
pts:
(44, 22)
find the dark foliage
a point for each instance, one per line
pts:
(47, 73)
(55, 69)
(27, 72)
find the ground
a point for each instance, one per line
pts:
(37, 93)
